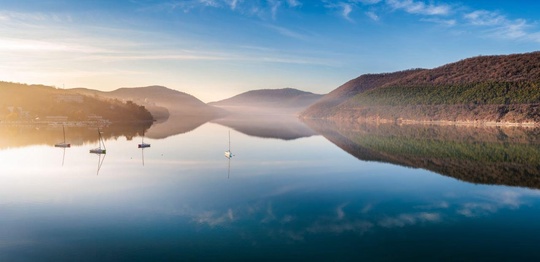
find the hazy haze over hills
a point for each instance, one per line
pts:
(285, 100)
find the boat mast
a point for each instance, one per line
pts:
(101, 141)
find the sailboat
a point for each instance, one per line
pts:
(63, 144)
(228, 153)
(100, 149)
(143, 144)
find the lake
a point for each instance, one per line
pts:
(296, 191)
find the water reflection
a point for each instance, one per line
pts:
(287, 199)
(101, 159)
(487, 155)
(13, 136)
(278, 126)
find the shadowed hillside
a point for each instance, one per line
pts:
(486, 89)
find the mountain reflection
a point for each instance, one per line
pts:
(487, 155)
(14, 136)
(279, 126)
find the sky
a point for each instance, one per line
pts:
(215, 49)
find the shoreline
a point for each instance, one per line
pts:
(401, 121)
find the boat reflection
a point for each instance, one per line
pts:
(101, 159)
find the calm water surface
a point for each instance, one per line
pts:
(277, 199)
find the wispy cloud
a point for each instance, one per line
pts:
(347, 9)
(499, 26)
(344, 9)
(443, 22)
(373, 16)
(294, 3)
(419, 7)
(233, 4)
(274, 7)
(286, 32)
(368, 2)
(485, 18)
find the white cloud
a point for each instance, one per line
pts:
(418, 7)
(444, 22)
(485, 18)
(347, 9)
(368, 2)
(372, 15)
(294, 3)
(499, 26)
(233, 4)
(211, 3)
(286, 32)
(344, 8)
(274, 7)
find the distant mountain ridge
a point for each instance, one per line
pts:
(494, 89)
(159, 100)
(278, 99)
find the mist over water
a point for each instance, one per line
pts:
(293, 190)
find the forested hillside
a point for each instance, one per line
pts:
(500, 89)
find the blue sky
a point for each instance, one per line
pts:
(215, 49)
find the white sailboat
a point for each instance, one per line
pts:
(228, 153)
(63, 144)
(143, 144)
(100, 149)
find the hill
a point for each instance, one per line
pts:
(38, 103)
(162, 102)
(351, 88)
(286, 100)
(486, 89)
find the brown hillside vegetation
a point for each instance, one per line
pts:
(353, 87)
(502, 89)
(503, 68)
